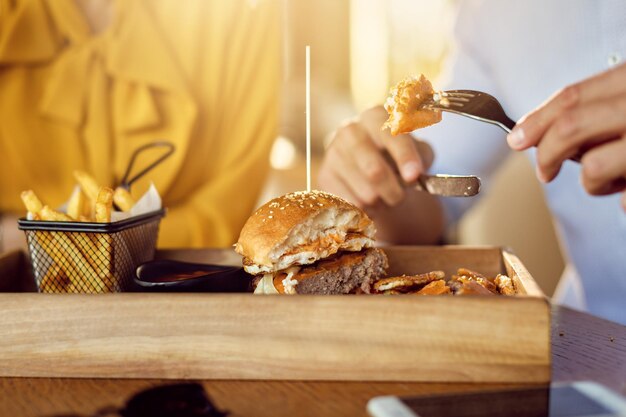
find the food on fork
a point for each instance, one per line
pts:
(310, 243)
(404, 106)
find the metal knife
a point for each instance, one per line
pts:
(440, 184)
(447, 185)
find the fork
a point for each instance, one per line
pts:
(476, 105)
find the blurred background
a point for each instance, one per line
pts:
(359, 49)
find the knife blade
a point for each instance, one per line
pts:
(440, 184)
(447, 185)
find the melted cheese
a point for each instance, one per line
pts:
(266, 284)
(289, 284)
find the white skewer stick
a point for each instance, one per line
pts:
(308, 118)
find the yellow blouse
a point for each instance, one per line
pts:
(203, 74)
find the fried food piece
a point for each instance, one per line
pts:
(469, 273)
(75, 205)
(438, 287)
(392, 292)
(404, 106)
(123, 199)
(104, 248)
(46, 213)
(479, 278)
(31, 202)
(393, 283)
(467, 286)
(407, 282)
(88, 184)
(505, 285)
(104, 203)
(65, 252)
(56, 281)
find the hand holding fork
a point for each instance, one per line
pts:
(476, 105)
(585, 122)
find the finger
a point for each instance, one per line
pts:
(604, 168)
(404, 152)
(579, 129)
(426, 153)
(401, 147)
(353, 177)
(531, 128)
(329, 181)
(365, 168)
(604, 85)
(354, 142)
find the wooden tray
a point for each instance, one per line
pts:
(243, 336)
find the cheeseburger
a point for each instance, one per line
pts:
(310, 243)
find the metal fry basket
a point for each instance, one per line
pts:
(90, 258)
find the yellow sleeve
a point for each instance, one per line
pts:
(240, 76)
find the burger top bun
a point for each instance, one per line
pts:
(300, 228)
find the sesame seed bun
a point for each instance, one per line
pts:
(301, 228)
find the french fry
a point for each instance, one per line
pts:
(65, 253)
(88, 208)
(104, 248)
(75, 205)
(74, 254)
(80, 261)
(55, 280)
(98, 251)
(31, 201)
(46, 213)
(123, 199)
(104, 203)
(88, 184)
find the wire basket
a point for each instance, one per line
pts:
(90, 258)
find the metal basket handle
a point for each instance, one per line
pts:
(126, 182)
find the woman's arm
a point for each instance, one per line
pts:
(11, 238)
(238, 88)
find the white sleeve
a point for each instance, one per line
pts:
(464, 146)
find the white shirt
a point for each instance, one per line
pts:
(522, 52)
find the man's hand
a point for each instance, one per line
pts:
(354, 166)
(589, 117)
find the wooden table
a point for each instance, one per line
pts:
(583, 347)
